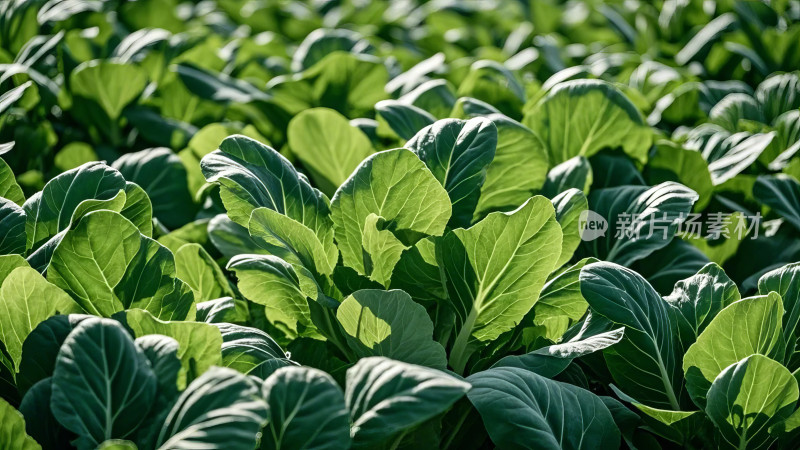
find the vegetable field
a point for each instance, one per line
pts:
(405, 224)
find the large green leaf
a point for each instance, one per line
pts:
(27, 299)
(252, 175)
(673, 163)
(388, 397)
(302, 399)
(201, 273)
(163, 177)
(518, 170)
(698, 299)
(40, 423)
(328, 146)
(640, 220)
(103, 386)
(8, 184)
(786, 282)
(12, 228)
(390, 324)
(582, 117)
(495, 270)
(221, 408)
(199, 344)
(646, 362)
(274, 283)
(111, 85)
(522, 409)
(107, 266)
(748, 398)
(746, 327)
(458, 152)
(12, 430)
(394, 185)
(51, 210)
(251, 351)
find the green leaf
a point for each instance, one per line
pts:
(551, 360)
(641, 220)
(40, 423)
(437, 97)
(786, 282)
(418, 274)
(733, 108)
(201, 273)
(673, 163)
(230, 238)
(778, 94)
(199, 344)
(569, 206)
(748, 398)
(290, 240)
(51, 210)
(251, 351)
(575, 173)
(301, 399)
(395, 185)
(12, 431)
(163, 177)
(219, 409)
(698, 299)
(27, 299)
(110, 84)
(495, 270)
(493, 83)
(117, 444)
(518, 170)
(390, 324)
(253, 175)
(8, 185)
(328, 146)
(274, 283)
(382, 250)
(520, 408)
(103, 386)
(646, 362)
(12, 228)
(404, 120)
(388, 397)
(677, 426)
(458, 152)
(107, 266)
(746, 327)
(736, 154)
(782, 194)
(8, 263)
(582, 117)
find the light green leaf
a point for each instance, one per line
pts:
(646, 362)
(12, 431)
(103, 386)
(457, 152)
(201, 273)
(495, 271)
(274, 283)
(219, 409)
(253, 175)
(749, 326)
(51, 210)
(199, 344)
(27, 299)
(8, 185)
(582, 117)
(328, 146)
(520, 408)
(569, 205)
(390, 324)
(395, 185)
(107, 266)
(748, 398)
(110, 84)
(302, 399)
(8, 263)
(382, 250)
(518, 170)
(387, 397)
